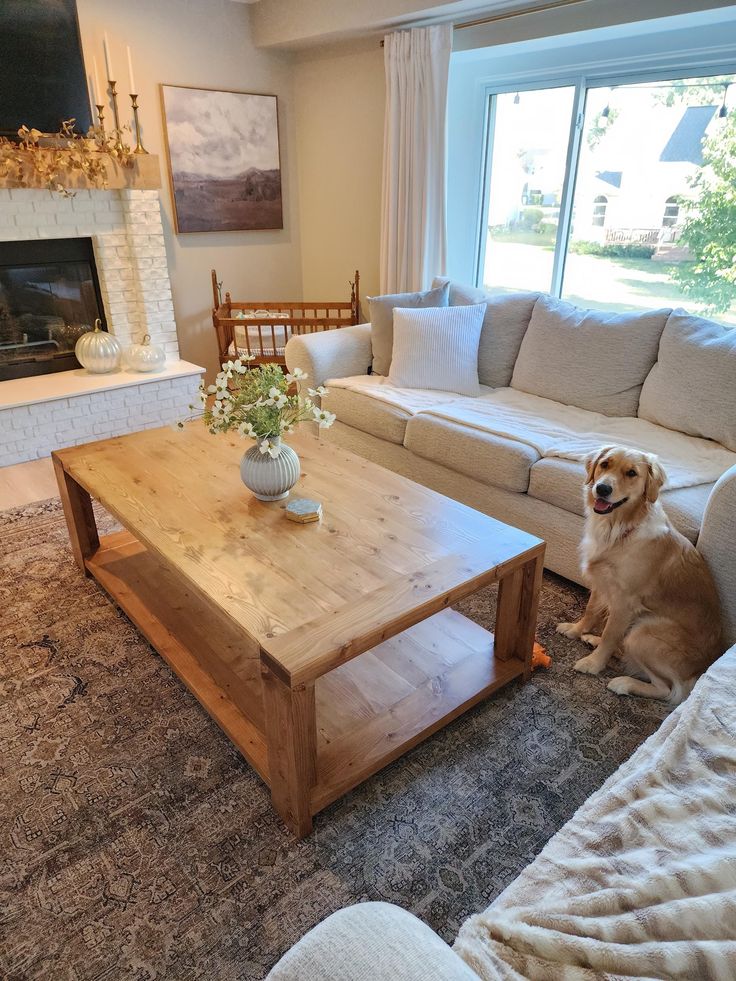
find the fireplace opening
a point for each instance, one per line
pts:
(49, 297)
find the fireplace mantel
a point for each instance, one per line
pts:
(144, 175)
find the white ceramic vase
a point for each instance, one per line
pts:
(270, 478)
(98, 351)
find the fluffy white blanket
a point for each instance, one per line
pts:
(554, 429)
(641, 882)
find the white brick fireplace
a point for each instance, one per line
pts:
(45, 412)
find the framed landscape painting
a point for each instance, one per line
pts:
(224, 159)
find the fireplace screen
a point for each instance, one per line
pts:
(49, 297)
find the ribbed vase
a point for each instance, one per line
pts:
(270, 478)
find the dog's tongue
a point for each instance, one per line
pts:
(602, 507)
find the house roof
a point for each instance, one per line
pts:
(612, 177)
(685, 145)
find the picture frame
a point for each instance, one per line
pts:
(224, 157)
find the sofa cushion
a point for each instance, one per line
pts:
(692, 387)
(382, 320)
(376, 406)
(560, 482)
(485, 457)
(504, 325)
(437, 348)
(367, 414)
(588, 358)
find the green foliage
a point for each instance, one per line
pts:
(709, 230)
(614, 250)
(530, 219)
(688, 93)
(599, 125)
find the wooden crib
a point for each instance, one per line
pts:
(261, 329)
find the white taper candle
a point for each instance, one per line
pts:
(133, 89)
(108, 59)
(98, 90)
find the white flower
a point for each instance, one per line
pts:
(246, 429)
(276, 397)
(296, 375)
(221, 410)
(286, 427)
(211, 389)
(269, 446)
(239, 367)
(202, 394)
(323, 417)
(318, 392)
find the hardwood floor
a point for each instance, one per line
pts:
(24, 483)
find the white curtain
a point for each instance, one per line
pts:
(417, 64)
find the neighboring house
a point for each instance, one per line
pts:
(630, 183)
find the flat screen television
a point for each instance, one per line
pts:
(42, 77)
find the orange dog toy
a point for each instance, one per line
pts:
(540, 658)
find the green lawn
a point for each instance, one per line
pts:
(598, 282)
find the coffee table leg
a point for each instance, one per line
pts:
(80, 518)
(516, 613)
(292, 750)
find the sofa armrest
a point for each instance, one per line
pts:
(717, 544)
(371, 942)
(331, 353)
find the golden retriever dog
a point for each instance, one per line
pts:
(650, 590)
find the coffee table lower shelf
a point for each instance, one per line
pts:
(366, 713)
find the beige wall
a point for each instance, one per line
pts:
(339, 98)
(204, 43)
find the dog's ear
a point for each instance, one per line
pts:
(655, 478)
(591, 462)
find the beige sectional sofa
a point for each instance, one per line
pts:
(640, 882)
(554, 379)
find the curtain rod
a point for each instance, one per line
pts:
(520, 12)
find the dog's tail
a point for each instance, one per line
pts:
(680, 690)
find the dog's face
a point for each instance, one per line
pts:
(619, 480)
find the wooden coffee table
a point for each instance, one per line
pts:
(324, 650)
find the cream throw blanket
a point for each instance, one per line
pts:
(641, 882)
(554, 429)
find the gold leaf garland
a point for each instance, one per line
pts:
(35, 156)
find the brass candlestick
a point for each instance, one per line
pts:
(101, 119)
(139, 148)
(116, 117)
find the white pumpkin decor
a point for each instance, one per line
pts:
(98, 351)
(145, 356)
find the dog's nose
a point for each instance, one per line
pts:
(603, 490)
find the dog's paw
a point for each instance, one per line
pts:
(569, 630)
(588, 665)
(592, 639)
(620, 685)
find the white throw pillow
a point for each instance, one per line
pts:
(437, 348)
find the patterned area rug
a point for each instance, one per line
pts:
(137, 844)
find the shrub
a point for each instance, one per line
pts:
(614, 250)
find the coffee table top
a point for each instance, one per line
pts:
(386, 554)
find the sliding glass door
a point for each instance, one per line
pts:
(528, 138)
(629, 208)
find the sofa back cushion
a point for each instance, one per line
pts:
(504, 325)
(382, 320)
(589, 358)
(692, 387)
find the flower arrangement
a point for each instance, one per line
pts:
(257, 404)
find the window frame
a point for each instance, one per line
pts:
(582, 84)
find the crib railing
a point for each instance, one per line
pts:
(260, 329)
